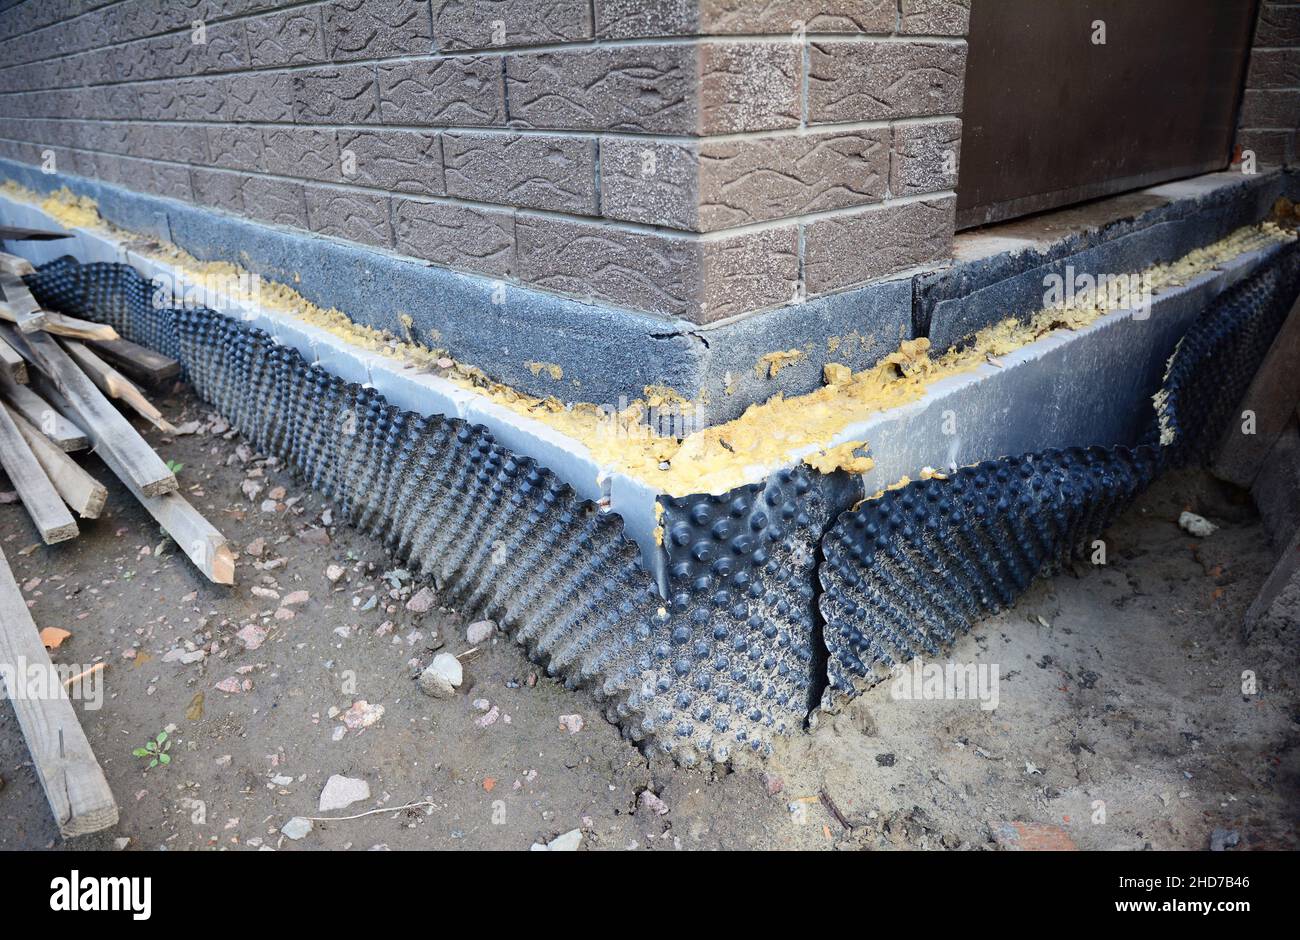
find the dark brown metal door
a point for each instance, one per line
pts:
(1053, 116)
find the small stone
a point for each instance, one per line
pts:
(480, 631)
(315, 536)
(341, 792)
(442, 676)
(284, 613)
(571, 723)
(229, 685)
(652, 802)
(362, 715)
(1196, 525)
(488, 719)
(252, 636)
(296, 828)
(256, 547)
(568, 842)
(772, 783)
(333, 573)
(295, 598)
(884, 760)
(277, 493)
(422, 601)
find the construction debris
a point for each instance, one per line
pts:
(50, 516)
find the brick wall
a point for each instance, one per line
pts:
(694, 158)
(1270, 106)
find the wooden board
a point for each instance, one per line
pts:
(41, 499)
(201, 542)
(83, 493)
(43, 416)
(115, 385)
(60, 325)
(12, 364)
(27, 312)
(74, 784)
(112, 433)
(142, 364)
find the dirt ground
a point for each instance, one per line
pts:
(1121, 722)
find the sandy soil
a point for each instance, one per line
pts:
(1121, 721)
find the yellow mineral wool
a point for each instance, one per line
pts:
(836, 373)
(841, 457)
(71, 210)
(772, 364)
(550, 368)
(768, 434)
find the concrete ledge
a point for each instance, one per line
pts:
(1002, 268)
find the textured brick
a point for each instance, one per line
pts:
(749, 86)
(482, 24)
(925, 157)
(235, 148)
(650, 181)
(934, 17)
(636, 270)
(260, 96)
(163, 179)
(529, 171)
(1275, 148)
(1279, 25)
(376, 29)
(847, 250)
(167, 143)
(302, 152)
(629, 19)
(1270, 108)
(460, 90)
(865, 81)
(633, 88)
(157, 101)
(398, 161)
(224, 49)
(354, 216)
(753, 271)
(634, 19)
(758, 179)
(715, 184)
(291, 37)
(788, 16)
(659, 273)
(217, 188)
(346, 94)
(1276, 68)
(278, 201)
(200, 100)
(463, 237)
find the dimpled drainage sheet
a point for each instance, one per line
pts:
(907, 572)
(778, 599)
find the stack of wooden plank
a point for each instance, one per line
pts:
(59, 380)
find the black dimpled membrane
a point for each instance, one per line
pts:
(778, 599)
(1215, 361)
(907, 572)
(727, 662)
